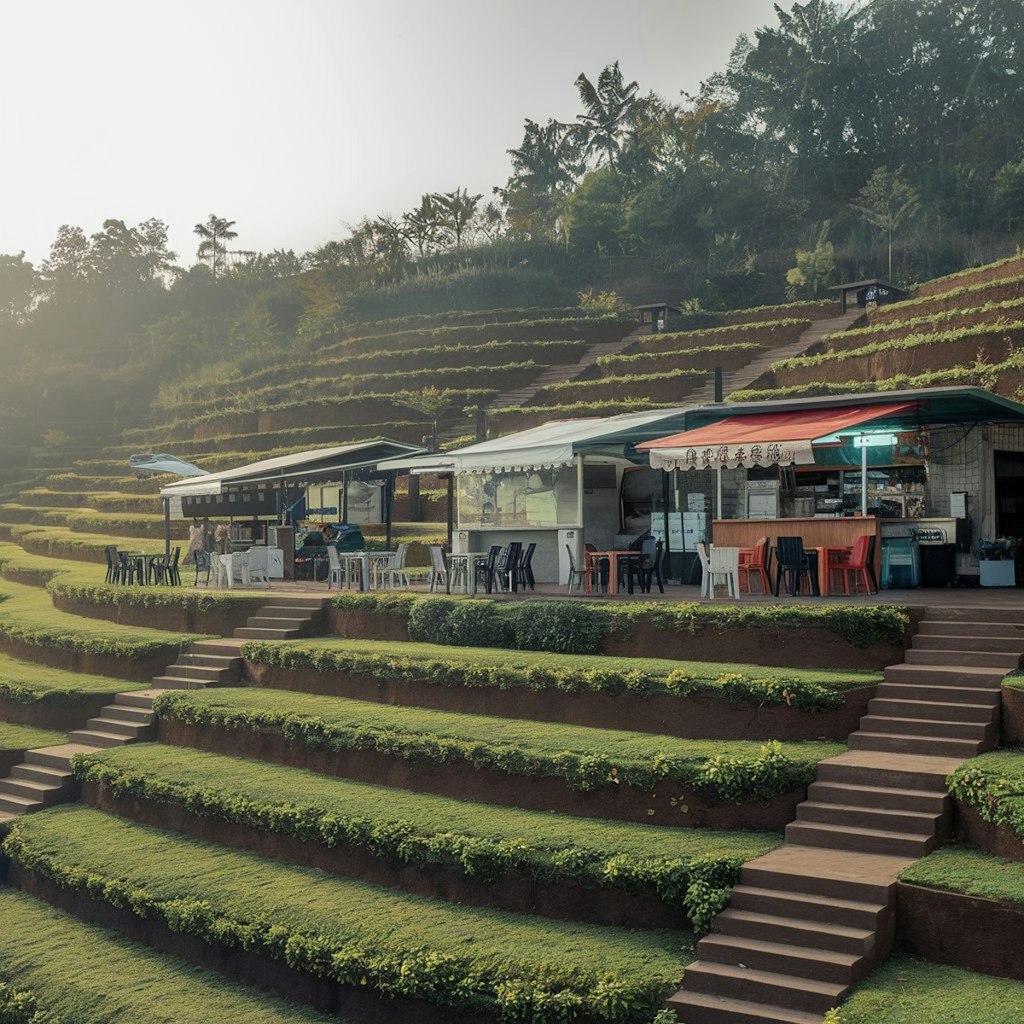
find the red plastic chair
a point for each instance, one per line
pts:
(856, 566)
(755, 560)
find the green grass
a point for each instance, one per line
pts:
(584, 756)
(25, 682)
(993, 783)
(971, 872)
(484, 840)
(24, 737)
(906, 990)
(350, 930)
(83, 974)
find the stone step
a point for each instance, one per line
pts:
(762, 987)
(990, 695)
(884, 797)
(116, 727)
(41, 792)
(981, 659)
(979, 731)
(253, 633)
(777, 957)
(274, 622)
(834, 874)
(202, 672)
(129, 715)
(874, 768)
(97, 738)
(287, 611)
(929, 745)
(169, 682)
(984, 714)
(986, 614)
(942, 627)
(41, 773)
(812, 934)
(860, 840)
(968, 642)
(826, 909)
(944, 675)
(18, 804)
(884, 819)
(705, 1008)
(59, 756)
(225, 646)
(139, 698)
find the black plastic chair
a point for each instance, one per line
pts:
(132, 569)
(793, 563)
(649, 572)
(525, 573)
(204, 563)
(485, 573)
(508, 571)
(172, 575)
(871, 564)
(113, 565)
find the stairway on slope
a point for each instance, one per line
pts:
(810, 919)
(745, 376)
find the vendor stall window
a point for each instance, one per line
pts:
(536, 497)
(894, 492)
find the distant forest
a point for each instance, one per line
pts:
(882, 138)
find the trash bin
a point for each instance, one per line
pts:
(901, 563)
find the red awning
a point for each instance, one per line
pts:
(762, 438)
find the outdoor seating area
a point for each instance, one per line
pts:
(141, 568)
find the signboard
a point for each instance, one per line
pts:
(874, 440)
(314, 512)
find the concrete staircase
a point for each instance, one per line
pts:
(284, 619)
(745, 376)
(810, 919)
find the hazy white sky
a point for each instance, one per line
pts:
(295, 117)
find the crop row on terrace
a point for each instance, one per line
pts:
(996, 270)
(997, 290)
(673, 385)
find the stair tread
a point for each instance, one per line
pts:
(728, 971)
(757, 917)
(832, 901)
(895, 790)
(782, 949)
(873, 833)
(936, 763)
(926, 818)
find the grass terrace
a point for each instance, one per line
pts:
(993, 783)
(906, 990)
(355, 933)
(485, 841)
(583, 757)
(25, 737)
(55, 969)
(971, 872)
(25, 682)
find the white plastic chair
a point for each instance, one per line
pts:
(393, 573)
(724, 564)
(336, 574)
(706, 586)
(438, 567)
(256, 559)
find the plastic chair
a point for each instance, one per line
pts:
(653, 571)
(335, 570)
(793, 564)
(525, 572)
(507, 574)
(203, 563)
(113, 565)
(438, 568)
(489, 568)
(392, 572)
(725, 562)
(706, 587)
(855, 566)
(257, 560)
(754, 562)
(577, 574)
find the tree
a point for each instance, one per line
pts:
(422, 227)
(214, 233)
(17, 289)
(886, 201)
(594, 214)
(68, 264)
(431, 402)
(455, 211)
(604, 123)
(814, 267)
(1009, 192)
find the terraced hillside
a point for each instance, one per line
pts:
(963, 329)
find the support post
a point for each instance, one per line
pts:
(718, 385)
(167, 531)
(344, 496)
(579, 491)
(718, 506)
(665, 498)
(864, 480)
(451, 508)
(389, 498)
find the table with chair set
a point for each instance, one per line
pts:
(506, 569)
(142, 568)
(607, 571)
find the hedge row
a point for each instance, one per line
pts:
(354, 934)
(657, 386)
(729, 357)
(810, 309)
(993, 784)
(1010, 287)
(390, 663)
(575, 627)
(749, 772)
(975, 275)
(363, 818)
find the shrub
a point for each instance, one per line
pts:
(553, 626)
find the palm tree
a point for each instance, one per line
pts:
(604, 124)
(214, 233)
(455, 210)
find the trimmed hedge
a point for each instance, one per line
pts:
(576, 627)
(341, 813)
(410, 663)
(993, 784)
(729, 771)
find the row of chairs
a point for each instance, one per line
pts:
(133, 569)
(387, 571)
(640, 572)
(508, 568)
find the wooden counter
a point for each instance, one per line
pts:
(816, 533)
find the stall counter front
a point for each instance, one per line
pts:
(816, 532)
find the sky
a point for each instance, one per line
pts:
(295, 119)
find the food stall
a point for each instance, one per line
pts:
(929, 473)
(564, 483)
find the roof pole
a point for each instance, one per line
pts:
(451, 508)
(864, 480)
(389, 496)
(167, 531)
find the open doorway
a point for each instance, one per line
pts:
(1010, 494)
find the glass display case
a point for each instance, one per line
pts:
(538, 497)
(894, 492)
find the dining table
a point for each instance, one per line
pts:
(361, 559)
(594, 559)
(469, 561)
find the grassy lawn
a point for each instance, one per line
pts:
(442, 951)
(84, 974)
(25, 682)
(993, 784)
(972, 872)
(580, 753)
(905, 990)
(698, 671)
(419, 827)
(25, 737)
